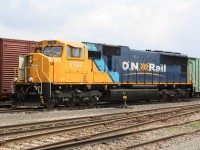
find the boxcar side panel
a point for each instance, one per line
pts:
(194, 72)
(10, 51)
(1, 65)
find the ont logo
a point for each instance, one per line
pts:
(143, 67)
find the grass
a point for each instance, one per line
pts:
(195, 124)
(172, 129)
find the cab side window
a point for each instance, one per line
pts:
(75, 52)
(68, 51)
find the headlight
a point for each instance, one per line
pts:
(30, 59)
(30, 79)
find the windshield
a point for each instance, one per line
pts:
(53, 51)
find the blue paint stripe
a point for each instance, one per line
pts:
(91, 46)
(101, 64)
(114, 76)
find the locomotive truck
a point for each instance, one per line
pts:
(67, 73)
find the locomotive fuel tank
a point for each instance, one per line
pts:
(114, 95)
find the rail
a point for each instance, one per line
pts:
(133, 120)
(96, 138)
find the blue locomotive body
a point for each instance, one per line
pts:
(131, 66)
(141, 75)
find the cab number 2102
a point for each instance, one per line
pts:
(76, 64)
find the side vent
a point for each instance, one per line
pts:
(94, 54)
(111, 50)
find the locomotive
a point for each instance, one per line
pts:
(67, 73)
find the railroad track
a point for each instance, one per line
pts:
(60, 108)
(7, 109)
(13, 110)
(89, 130)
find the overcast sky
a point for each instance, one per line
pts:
(170, 25)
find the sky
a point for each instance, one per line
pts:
(168, 25)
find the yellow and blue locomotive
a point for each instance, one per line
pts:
(66, 73)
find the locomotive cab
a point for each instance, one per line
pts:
(50, 70)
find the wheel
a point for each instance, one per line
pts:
(173, 98)
(92, 101)
(184, 97)
(160, 98)
(51, 104)
(147, 100)
(71, 102)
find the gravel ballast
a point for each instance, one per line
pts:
(22, 117)
(19, 118)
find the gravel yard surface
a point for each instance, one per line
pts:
(193, 143)
(19, 118)
(190, 142)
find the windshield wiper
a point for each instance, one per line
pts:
(53, 53)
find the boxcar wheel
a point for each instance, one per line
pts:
(161, 98)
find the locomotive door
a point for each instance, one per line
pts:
(112, 68)
(76, 65)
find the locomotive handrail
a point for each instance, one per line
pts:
(45, 74)
(39, 79)
(25, 73)
(36, 68)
